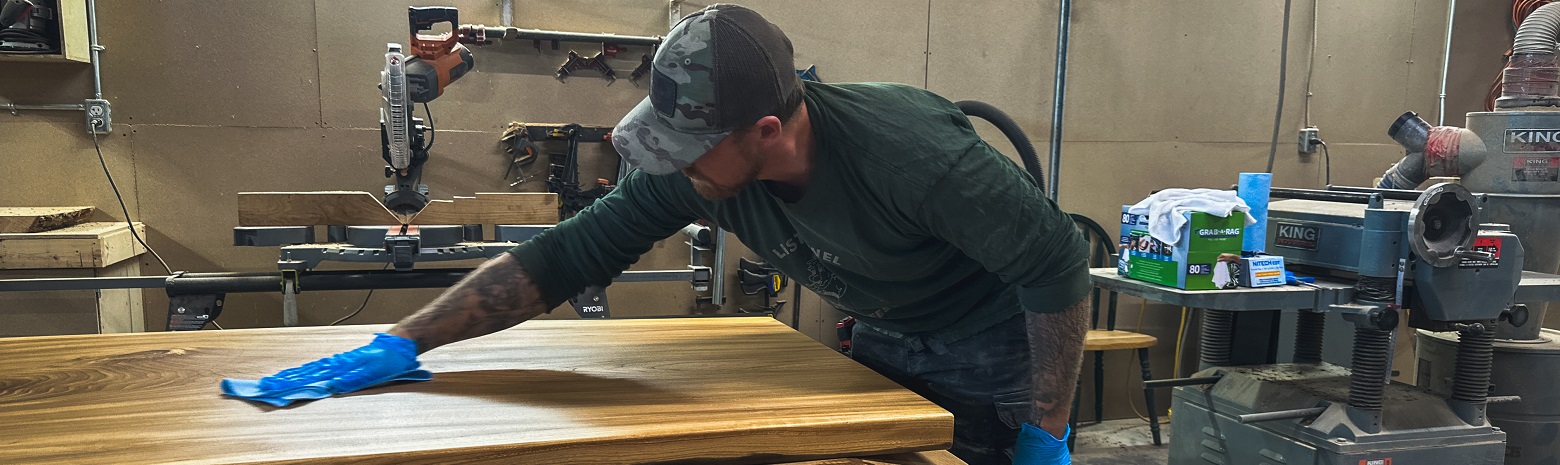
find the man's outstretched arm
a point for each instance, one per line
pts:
(1056, 348)
(497, 295)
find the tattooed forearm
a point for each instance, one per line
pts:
(497, 295)
(1056, 347)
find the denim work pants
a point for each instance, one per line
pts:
(982, 379)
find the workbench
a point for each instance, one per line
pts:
(1256, 312)
(97, 250)
(1535, 287)
(714, 390)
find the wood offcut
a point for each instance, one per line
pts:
(312, 208)
(38, 219)
(357, 208)
(714, 390)
(492, 208)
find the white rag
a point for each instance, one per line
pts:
(1166, 209)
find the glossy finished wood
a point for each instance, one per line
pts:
(718, 390)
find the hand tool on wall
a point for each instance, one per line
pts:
(577, 62)
(762, 279)
(642, 69)
(565, 178)
(611, 45)
(522, 151)
(564, 173)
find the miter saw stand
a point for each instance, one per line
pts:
(420, 76)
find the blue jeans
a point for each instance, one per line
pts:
(982, 379)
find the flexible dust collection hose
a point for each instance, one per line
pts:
(1537, 33)
(1532, 76)
(1015, 135)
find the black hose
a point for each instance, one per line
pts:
(1015, 135)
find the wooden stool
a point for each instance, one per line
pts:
(1099, 341)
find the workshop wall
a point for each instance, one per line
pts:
(214, 98)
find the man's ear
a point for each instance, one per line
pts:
(767, 128)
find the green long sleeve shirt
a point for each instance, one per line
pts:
(911, 222)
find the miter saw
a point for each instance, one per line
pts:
(419, 73)
(435, 62)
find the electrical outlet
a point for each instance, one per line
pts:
(98, 121)
(1308, 139)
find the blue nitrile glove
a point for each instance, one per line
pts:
(1038, 447)
(388, 358)
(1293, 279)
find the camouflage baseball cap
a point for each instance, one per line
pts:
(719, 69)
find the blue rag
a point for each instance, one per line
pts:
(389, 358)
(250, 388)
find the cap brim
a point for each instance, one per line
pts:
(649, 144)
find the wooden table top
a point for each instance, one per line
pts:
(712, 390)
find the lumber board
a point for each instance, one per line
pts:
(351, 208)
(87, 245)
(714, 390)
(357, 208)
(38, 219)
(492, 208)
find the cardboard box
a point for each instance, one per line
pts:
(1261, 271)
(1206, 257)
(1129, 223)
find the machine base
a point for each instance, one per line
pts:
(1417, 427)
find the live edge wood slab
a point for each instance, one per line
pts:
(708, 390)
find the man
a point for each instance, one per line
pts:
(968, 284)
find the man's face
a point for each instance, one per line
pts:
(727, 168)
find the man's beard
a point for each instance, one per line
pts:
(712, 191)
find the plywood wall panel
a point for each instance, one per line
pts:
(1011, 66)
(869, 40)
(195, 62)
(1481, 36)
(44, 83)
(51, 162)
(1359, 90)
(1184, 71)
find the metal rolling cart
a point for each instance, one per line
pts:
(1250, 403)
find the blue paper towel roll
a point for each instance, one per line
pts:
(1254, 189)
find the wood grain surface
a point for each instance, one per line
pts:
(357, 208)
(351, 208)
(86, 245)
(1099, 339)
(37, 219)
(708, 390)
(492, 208)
